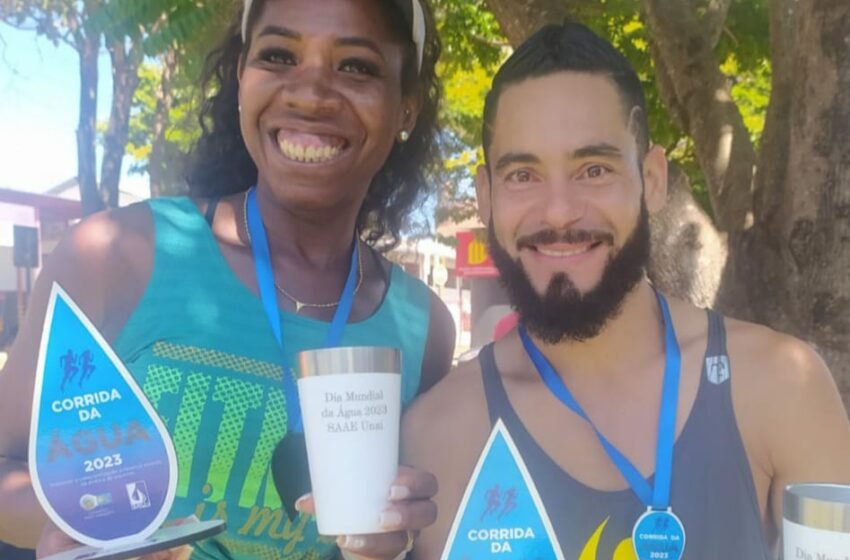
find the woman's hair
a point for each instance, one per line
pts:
(219, 163)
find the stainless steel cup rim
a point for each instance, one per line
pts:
(348, 359)
(818, 505)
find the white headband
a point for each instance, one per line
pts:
(418, 30)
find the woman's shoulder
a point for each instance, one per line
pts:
(104, 261)
(107, 236)
(123, 236)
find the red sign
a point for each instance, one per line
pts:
(473, 260)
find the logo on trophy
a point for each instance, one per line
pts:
(102, 463)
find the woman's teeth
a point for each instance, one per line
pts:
(308, 154)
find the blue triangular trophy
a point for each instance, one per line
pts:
(501, 514)
(102, 463)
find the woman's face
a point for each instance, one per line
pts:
(321, 99)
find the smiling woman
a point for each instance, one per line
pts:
(376, 89)
(319, 122)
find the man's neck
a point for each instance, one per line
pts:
(633, 337)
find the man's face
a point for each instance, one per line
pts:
(567, 199)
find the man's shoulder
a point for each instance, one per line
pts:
(438, 428)
(776, 379)
(760, 355)
(455, 397)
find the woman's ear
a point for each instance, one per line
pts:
(410, 107)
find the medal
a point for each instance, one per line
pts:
(658, 534)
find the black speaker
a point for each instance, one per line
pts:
(27, 252)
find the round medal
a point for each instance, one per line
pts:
(659, 535)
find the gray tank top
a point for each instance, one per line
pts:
(712, 489)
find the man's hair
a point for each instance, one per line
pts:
(571, 47)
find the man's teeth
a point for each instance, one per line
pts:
(562, 254)
(308, 154)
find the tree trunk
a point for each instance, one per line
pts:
(125, 79)
(87, 49)
(520, 18)
(164, 101)
(684, 45)
(795, 260)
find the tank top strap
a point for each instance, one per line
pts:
(716, 366)
(212, 205)
(498, 404)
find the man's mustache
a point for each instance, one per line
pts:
(572, 236)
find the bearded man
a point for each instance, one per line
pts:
(622, 404)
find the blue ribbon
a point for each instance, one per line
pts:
(658, 497)
(268, 296)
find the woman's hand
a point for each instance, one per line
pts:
(54, 541)
(409, 510)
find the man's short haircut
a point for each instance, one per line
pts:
(570, 47)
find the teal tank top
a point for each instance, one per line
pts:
(200, 346)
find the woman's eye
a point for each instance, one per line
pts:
(360, 67)
(277, 56)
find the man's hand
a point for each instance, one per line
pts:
(409, 510)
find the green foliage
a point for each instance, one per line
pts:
(162, 24)
(190, 34)
(473, 49)
(181, 132)
(744, 49)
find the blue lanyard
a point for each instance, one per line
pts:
(659, 496)
(268, 295)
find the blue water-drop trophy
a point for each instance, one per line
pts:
(101, 460)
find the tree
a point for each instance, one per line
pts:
(130, 29)
(67, 21)
(164, 124)
(779, 197)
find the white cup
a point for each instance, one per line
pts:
(816, 522)
(351, 405)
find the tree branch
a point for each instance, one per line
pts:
(684, 47)
(714, 20)
(519, 19)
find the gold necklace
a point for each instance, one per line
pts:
(298, 303)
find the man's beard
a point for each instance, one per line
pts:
(563, 313)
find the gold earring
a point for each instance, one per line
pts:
(403, 136)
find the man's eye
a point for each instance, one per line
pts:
(520, 176)
(596, 172)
